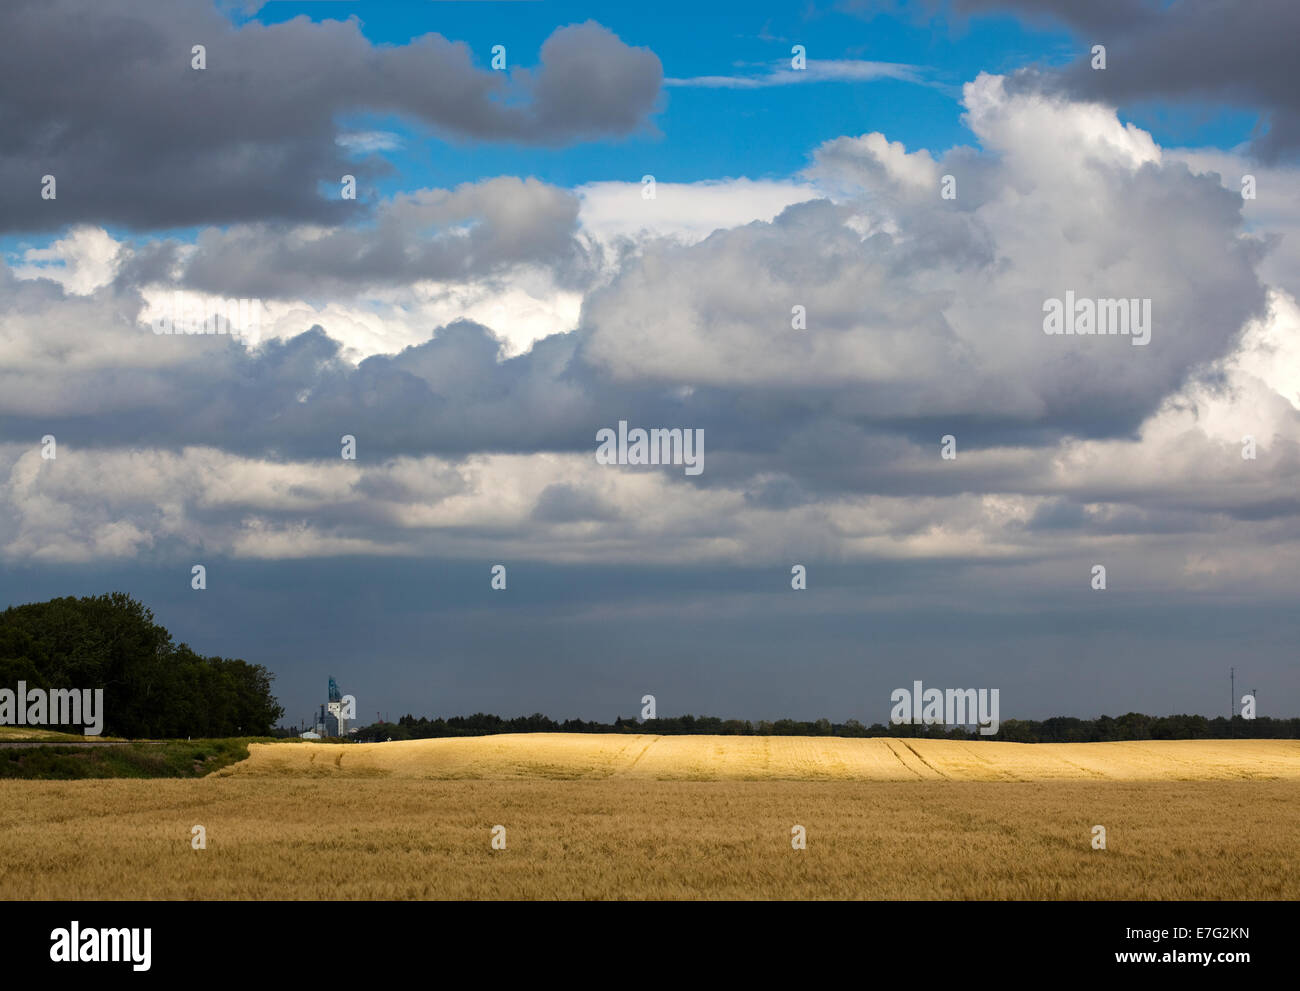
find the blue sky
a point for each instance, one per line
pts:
(706, 133)
(713, 133)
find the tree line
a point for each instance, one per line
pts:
(1058, 729)
(153, 687)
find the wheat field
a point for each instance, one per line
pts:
(628, 817)
(568, 756)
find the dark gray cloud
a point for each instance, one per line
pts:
(455, 396)
(102, 96)
(939, 320)
(1239, 55)
(1100, 15)
(560, 503)
(924, 319)
(474, 231)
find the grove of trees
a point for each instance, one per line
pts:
(1058, 729)
(153, 687)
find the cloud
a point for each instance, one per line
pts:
(367, 142)
(924, 318)
(1176, 503)
(513, 255)
(477, 230)
(474, 339)
(1273, 215)
(931, 310)
(688, 212)
(134, 136)
(816, 71)
(82, 261)
(1186, 51)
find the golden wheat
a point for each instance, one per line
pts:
(800, 758)
(587, 818)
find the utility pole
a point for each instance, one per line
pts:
(1232, 701)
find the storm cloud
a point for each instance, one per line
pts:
(1240, 56)
(154, 143)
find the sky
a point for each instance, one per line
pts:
(822, 236)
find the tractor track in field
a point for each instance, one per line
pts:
(923, 760)
(637, 759)
(899, 758)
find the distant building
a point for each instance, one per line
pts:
(330, 721)
(335, 722)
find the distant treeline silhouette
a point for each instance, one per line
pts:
(153, 687)
(1058, 729)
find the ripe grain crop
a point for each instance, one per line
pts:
(640, 817)
(568, 756)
